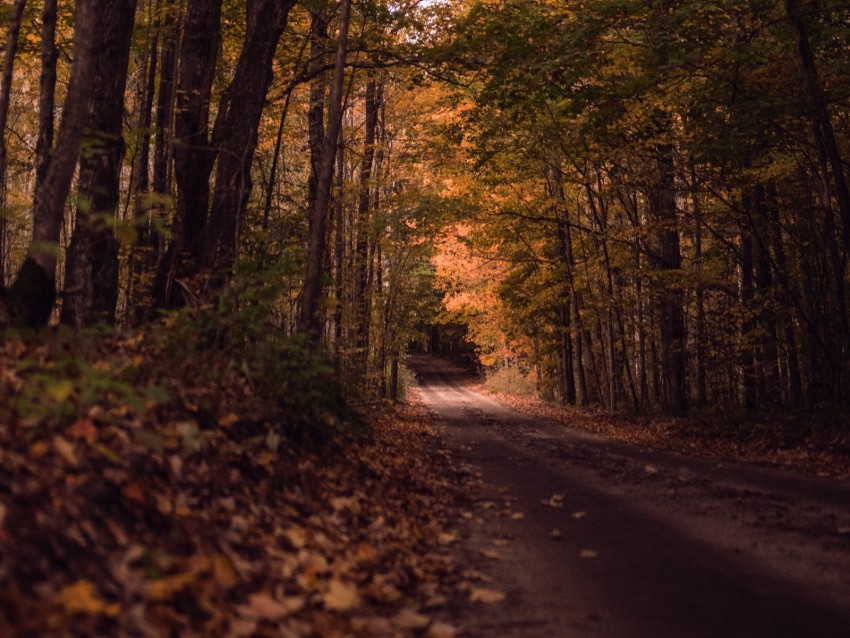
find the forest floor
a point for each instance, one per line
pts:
(145, 494)
(815, 443)
(148, 504)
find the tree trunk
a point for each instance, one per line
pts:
(830, 156)
(142, 255)
(193, 155)
(795, 383)
(309, 321)
(318, 91)
(47, 91)
(748, 381)
(235, 134)
(339, 255)
(91, 268)
(165, 136)
(5, 98)
(362, 297)
(31, 298)
(672, 316)
(820, 114)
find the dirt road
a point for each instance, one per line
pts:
(590, 537)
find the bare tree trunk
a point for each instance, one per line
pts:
(672, 317)
(820, 114)
(235, 134)
(165, 99)
(309, 321)
(32, 296)
(318, 91)
(91, 268)
(362, 298)
(142, 255)
(795, 383)
(47, 91)
(193, 155)
(5, 98)
(747, 325)
(339, 254)
(830, 155)
(565, 246)
(767, 351)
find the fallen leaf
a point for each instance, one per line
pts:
(441, 630)
(65, 449)
(165, 587)
(242, 627)
(296, 536)
(82, 429)
(447, 538)
(341, 596)
(517, 516)
(59, 390)
(410, 619)
(588, 553)
(225, 571)
(486, 596)
(228, 420)
(261, 606)
(556, 500)
(556, 534)
(650, 469)
(81, 598)
(579, 515)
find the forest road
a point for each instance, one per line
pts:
(592, 537)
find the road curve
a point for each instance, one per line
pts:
(591, 537)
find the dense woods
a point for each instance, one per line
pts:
(641, 205)
(661, 200)
(230, 228)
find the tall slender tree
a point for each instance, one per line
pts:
(309, 321)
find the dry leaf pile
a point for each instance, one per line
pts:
(145, 521)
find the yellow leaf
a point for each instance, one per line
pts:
(59, 390)
(81, 598)
(341, 596)
(165, 587)
(225, 571)
(486, 596)
(39, 449)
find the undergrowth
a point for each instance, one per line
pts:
(510, 381)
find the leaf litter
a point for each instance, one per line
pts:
(146, 521)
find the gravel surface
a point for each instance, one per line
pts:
(591, 537)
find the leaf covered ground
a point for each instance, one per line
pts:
(811, 442)
(142, 498)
